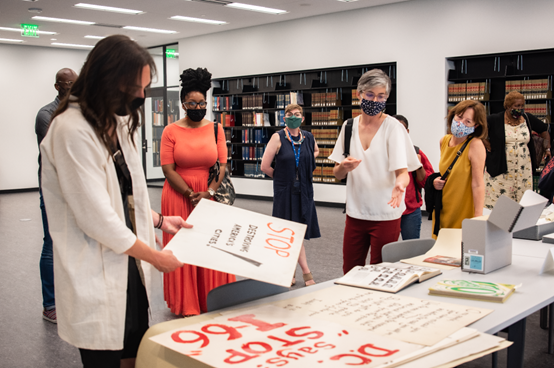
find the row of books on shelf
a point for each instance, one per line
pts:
(531, 88)
(225, 119)
(486, 105)
(325, 134)
(333, 117)
(253, 170)
(255, 136)
(324, 152)
(253, 153)
(356, 112)
(479, 91)
(156, 162)
(541, 111)
(326, 99)
(355, 99)
(158, 106)
(224, 103)
(255, 119)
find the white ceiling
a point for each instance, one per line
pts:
(157, 14)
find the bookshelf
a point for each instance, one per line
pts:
(251, 108)
(488, 78)
(162, 115)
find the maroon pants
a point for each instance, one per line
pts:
(360, 236)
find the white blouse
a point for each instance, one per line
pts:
(369, 186)
(87, 224)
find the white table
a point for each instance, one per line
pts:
(537, 291)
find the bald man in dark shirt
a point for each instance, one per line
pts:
(64, 79)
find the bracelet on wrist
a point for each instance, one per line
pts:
(160, 221)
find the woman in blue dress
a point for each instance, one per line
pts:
(294, 151)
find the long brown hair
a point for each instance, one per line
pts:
(110, 72)
(479, 117)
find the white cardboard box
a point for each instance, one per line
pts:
(487, 240)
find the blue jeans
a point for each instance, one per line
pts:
(410, 225)
(46, 263)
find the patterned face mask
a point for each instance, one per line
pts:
(372, 108)
(459, 130)
(516, 113)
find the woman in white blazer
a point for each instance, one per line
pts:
(92, 174)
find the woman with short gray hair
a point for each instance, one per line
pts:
(381, 155)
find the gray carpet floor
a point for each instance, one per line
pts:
(27, 340)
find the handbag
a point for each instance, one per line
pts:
(226, 192)
(433, 197)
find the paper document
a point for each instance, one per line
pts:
(448, 244)
(240, 242)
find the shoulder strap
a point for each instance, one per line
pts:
(456, 159)
(215, 131)
(347, 136)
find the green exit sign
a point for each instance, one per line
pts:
(29, 30)
(171, 53)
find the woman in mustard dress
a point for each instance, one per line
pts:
(463, 191)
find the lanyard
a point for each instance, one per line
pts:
(296, 152)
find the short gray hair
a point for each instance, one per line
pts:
(374, 78)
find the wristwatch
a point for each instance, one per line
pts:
(211, 191)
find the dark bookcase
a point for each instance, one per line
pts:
(251, 109)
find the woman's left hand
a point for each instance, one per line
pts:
(197, 196)
(172, 224)
(397, 196)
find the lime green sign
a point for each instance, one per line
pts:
(171, 53)
(29, 30)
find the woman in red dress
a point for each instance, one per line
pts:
(188, 150)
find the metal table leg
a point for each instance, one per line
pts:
(550, 329)
(544, 318)
(516, 334)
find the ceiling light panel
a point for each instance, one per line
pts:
(95, 37)
(9, 40)
(72, 45)
(197, 20)
(153, 30)
(108, 9)
(256, 8)
(19, 30)
(61, 20)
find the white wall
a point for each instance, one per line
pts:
(417, 34)
(27, 76)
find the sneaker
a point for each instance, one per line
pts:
(50, 315)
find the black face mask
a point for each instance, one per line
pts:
(196, 115)
(130, 107)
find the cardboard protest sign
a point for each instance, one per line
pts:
(273, 337)
(240, 242)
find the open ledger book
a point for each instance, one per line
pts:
(390, 277)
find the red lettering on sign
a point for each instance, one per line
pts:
(277, 361)
(293, 332)
(324, 345)
(308, 349)
(290, 354)
(287, 245)
(279, 231)
(265, 346)
(237, 357)
(225, 330)
(286, 342)
(363, 360)
(280, 253)
(260, 325)
(362, 350)
(176, 336)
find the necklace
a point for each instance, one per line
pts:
(509, 121)
(289, 137)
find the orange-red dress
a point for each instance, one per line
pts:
(194, 151)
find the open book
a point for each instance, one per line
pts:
(478, 290)
(390, 277)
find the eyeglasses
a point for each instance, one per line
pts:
(297, 114)
(192, 104)
(67, 83)
(371, 96)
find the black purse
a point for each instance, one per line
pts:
(226, 192)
